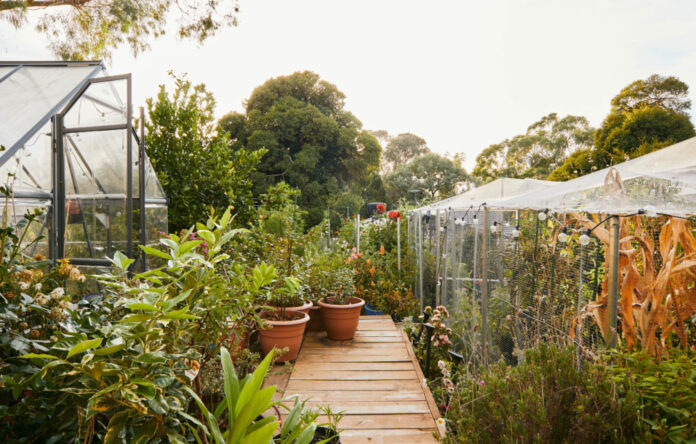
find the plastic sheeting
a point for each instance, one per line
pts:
(661, 182)
(490, 194)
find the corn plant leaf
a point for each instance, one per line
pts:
(254, 384)
(231, 383)
(262, 435)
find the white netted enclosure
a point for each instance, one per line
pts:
(71, 150)
(604, 260)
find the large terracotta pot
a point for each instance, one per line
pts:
(304, 308)
(341, 321)
(286, 333)
(316, 320)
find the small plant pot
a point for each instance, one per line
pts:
(304, 308)
(321, 434)
(316, 320)
(341, 321)
(284, 333)
(372, 311)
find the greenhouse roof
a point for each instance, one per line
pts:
(663, 181)
(490, 193)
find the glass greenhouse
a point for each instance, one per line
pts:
(69, 148)
(519, 261)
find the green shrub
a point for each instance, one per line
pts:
(667, 389)
(543, 399)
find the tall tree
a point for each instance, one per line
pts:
(433, 175)
(91, 29)
(195, 163)
(535, 154)
(645, 116)
(402, 149)
(313, 143)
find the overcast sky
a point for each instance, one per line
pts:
(461, 74)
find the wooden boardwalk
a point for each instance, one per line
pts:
(374, 379)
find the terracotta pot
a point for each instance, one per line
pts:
(283, 334)
(316, 321)
(304, 308)
(341, 321)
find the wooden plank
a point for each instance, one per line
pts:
(388, 436)
(376, 318)
(387, 421)
(379, 366)
(363, 396)
(330, 351)
(383, 333)
(374, 407)
(376, 327)
(354, 345)
(320, 374)
(399, 357)
(301, 385)
(428, 396)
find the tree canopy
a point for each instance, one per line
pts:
(646, 115)
(91, 29)
(313, 143)
(402, 149)
(434, 175)
(194, 161)
(535, 154)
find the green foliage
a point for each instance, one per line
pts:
(194, 162)
(535, 154)
(313, 143)
(667, 390)
(402, 149)
(91, 29)
(434, 175)
(543, 399)
(646, 115)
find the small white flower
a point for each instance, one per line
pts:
(58, 292)
(440, 421)
(24, 286)
(37, 286)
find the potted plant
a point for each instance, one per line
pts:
(286, 326)
(341, 308)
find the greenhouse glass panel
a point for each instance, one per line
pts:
(33, 93)
(28, 165)
(100, 104)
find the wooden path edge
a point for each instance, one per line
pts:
(441, 429)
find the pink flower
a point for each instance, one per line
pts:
(482, 383)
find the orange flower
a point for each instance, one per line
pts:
(369, 262)
(381, 250)
(372, 271)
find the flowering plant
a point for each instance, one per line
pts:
(381, 208)
(394, 215)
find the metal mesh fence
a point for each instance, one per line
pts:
(512, 279)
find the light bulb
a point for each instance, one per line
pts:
(563, 237)
(650, 211)
(494, 227)
(542, 216)
(475, 219)
(584, 240)
(515, 233)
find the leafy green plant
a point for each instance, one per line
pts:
(667, 390)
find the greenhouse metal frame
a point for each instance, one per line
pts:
(67, 129)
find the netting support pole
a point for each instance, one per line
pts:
(398, 243)
(438, 283)
(484, 287)
(578, 324)
(613, 274)
(420, 261)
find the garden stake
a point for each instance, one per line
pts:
(438, 284)
(430, 329)
(578, 330)
(598, 250)
(613, 272)
(484, 288)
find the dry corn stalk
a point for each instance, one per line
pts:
(654, 301)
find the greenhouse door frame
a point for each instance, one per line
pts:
(58, 216)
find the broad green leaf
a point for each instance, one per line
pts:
(137, 317)
(116, 424)
(231, 383)
(292, 418)
(188, 246)
(150, 358)
(155, 252)
(207, 236)
(180, 314)
(142, 306)
(171, 303)
(145, 432)
(307, 434)
(109, 350)
(142, 381)
(254, 383)
(158, 405)
(262, 435)
(259, 402)
(175, 438)
(84, 346)
(38, 356)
